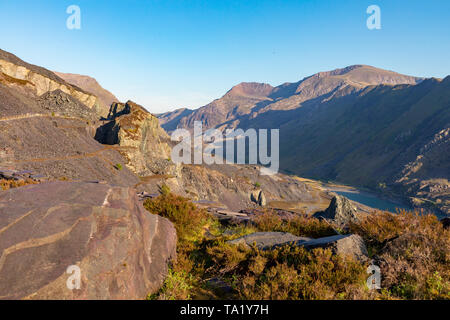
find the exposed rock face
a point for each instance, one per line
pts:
(121, 249)
(145, 143)
(341, 212)
(40, 80)
(426, 178)
(268, 240)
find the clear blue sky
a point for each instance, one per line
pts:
(167, 54)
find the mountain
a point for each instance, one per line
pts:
(248, 100)
(90, 85)
(359, 125)
(373, 138)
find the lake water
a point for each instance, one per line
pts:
(373, 201)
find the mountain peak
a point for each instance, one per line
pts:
(251, 89)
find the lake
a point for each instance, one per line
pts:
(373, 201)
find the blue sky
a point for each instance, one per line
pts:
(167, 54)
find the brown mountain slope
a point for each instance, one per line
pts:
(90, 85)
(253, 99)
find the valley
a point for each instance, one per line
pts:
(88, 181)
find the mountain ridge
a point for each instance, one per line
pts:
(253, 98)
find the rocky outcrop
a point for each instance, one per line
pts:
(344, 245)
(121, 249)
(145, 143)
(425, 180)
(340, 212)
(258, 197)
(268, 240)
(351, 245)
(39, 80)
(59, 103)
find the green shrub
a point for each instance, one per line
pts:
(177, 286)
(164, 189)
(118, 166)
(189, 221)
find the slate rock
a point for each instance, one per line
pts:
(122, 250)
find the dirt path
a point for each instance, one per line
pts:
(37, 115)
(96, 153)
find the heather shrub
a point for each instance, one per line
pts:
(189, 221)
(287, 273)
(413, 252)
(416, 265)
(299, 225)
(6, 184)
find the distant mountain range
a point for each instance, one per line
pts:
(358, 125)
(248, 100)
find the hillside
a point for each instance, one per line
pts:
(90, 85)
(248, 100)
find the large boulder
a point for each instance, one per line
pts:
(344, 245)
(351, 245)
(122, 250)
(268, 240)
(340, 212)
